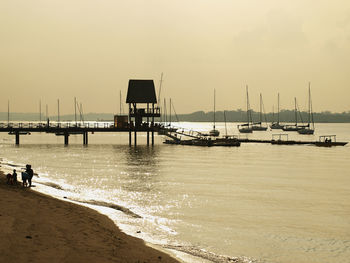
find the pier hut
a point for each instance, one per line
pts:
(142, 92)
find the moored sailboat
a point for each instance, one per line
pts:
(246, 127)
(310, 127)
(214, 132)
(294, 127)
(257, 126)
(277, 125)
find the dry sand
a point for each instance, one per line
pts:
(38, 228)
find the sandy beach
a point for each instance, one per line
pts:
(39, 228)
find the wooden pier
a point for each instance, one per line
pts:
(66, 129)
(139, 119)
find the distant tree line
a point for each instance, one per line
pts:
(241, 116)
(198, 116)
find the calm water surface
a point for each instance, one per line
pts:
(266, 202)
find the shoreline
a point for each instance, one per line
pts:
(48, 229)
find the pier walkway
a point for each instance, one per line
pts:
(66, 129)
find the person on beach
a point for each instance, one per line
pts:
(14, 176)
(9, 178)
(25, 177)
(30, 173)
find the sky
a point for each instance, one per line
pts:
(89, 49)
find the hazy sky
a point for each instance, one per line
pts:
(52, 49)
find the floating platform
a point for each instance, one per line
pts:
(206, 142)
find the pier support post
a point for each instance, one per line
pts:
(85, 138)
(135, 137)
(147, 137)
(130, 137)
(152, 137)
(147, 124)
(129, 124)
(152, 124)
(66, 136)
(17, 138)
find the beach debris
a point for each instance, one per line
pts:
(138, 231)
(29, 237)
(109, 205)
(215, 258)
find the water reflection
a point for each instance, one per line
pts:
(141, 167)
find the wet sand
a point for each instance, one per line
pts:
(38, 228)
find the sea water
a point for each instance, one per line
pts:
(269, 203)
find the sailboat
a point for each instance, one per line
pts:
(214, 132)
(246, 127)
(257, 126)
(307, 129)
(294, 127)
(277, 125)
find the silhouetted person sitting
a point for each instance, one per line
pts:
(9, 179)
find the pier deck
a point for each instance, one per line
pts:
(66, 129)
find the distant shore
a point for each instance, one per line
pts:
(198, 116)
(38, 228)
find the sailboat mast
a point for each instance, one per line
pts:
(170, 113)
(8, 112)
(309, 117)
(160, 89)
(225, 123)
(58, 110)
(260, 114)
(165, 112)
(40, 111)
(81, 113)
(278, 108)
(312, 115)
(120, 102)
(75, 110)
(247, 106)
(295, 109)
(160, 86)
(214, 109)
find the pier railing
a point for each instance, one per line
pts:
(43, 125)
(145, 112)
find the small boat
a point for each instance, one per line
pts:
(329, 141)
(257, 126)
(243, 129)
(214, 132)
(226, 141)
(291, 128)
(307, 129)
(277, 125)
(246, 127)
